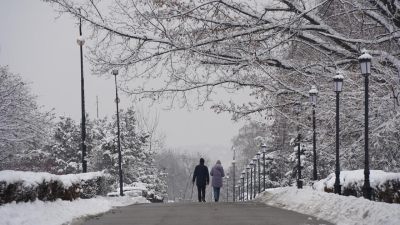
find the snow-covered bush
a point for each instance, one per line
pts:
(22, 186)
(385, 186)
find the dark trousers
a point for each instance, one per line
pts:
(201, 193)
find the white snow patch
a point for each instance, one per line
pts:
(35, 178)
(59, 212)
(351, 178)
(342, 210)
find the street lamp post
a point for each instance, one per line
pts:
(243, 174)
(297, 108)
(240, 183)
(227, 188)
(121, 192)
(234, 180)
(81, 42)
(264, 149)
(365, 66)
(313, 97)
(255, 169)
(259, 171)
(338, 84)
(247, 175)
(237, 187)
(251, 179)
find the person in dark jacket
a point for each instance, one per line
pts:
(203, 179)
(217, 173)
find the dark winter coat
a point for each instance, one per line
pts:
(217, 173)
(201, 173)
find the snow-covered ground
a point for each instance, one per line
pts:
(60, 212)
(355, 178)
(341, 210)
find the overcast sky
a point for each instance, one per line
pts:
(43, 50)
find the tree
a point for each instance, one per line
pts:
(65, 149)
(275, 48)
(247, 143)
(23, 126)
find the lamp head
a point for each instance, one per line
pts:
(338, 81)
(313, 94)
(115, 72)
(365, 63)
(297, 108)
(80, 41)
(264, 148)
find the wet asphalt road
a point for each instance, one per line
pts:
(221, 213)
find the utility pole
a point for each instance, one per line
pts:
(234, 174)
(97, 103)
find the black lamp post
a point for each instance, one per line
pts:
(338, 84)
(264, 149)
(259, 171)
(313, 97)
(365, 66)
(81, 42)
(255, 170)
(234, 180)
(121, 192)
(237, 187)
(239, 184)
(227, 188)
(297, 109)
(251, 179)
(247, 175)
(243, 174)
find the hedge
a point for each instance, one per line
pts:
(385, 186)
(22, 186)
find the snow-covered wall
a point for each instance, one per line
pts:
(23, 186)
(385, 186)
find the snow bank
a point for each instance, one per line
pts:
(134, 190)
(342, 210)
(59, 212)
(349, 178)
(35, 178)
(385, 186)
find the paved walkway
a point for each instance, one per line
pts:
(233, 213)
